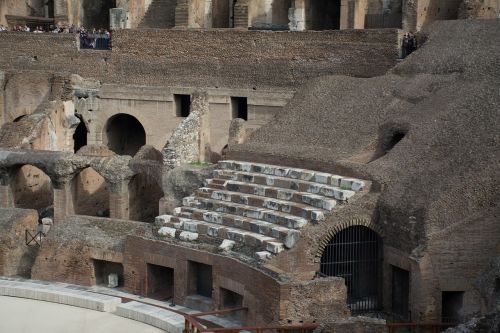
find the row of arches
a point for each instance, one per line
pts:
(32, 188)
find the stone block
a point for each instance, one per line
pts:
(274, 247)
(227, 245)
(190, 226)
(162, 220)
(112, 280)
(167, 232)
(322, 178)
(188, 236)
(212, 217)
(263, 255)
(292, 238)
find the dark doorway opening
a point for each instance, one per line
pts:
(124, 134)
(182, 105)
(239, 106)
(325, 15)
(80, 136)
(232, 300)
(400, 294)
(108, 273)
(451, 306)
(160, 282)
(49, 9)
(355, 254)
(96, 13)
(200, 279)
(394, 139)
(90, 194)
(221, 14)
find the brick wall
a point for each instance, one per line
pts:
(211, 58)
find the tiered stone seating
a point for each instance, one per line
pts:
(258, 205)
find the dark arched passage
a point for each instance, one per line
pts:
(96, 13)
(90, 194)
(144, 198)
(355, 254)
(124, 134)
(80, 136)
(31, 188)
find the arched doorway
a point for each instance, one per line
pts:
(80, 136)
(31, 188)
(325, 15)
(124, 134)
(355, 254)
(90, 194)
(144, 198)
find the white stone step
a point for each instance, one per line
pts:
(168, 321)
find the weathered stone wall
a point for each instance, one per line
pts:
(484, 9)
(16, 258)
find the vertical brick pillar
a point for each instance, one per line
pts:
(63, 201)
(182, 13)
(119, 200)
(61, 11)
(240, 14)
(297, 16)
(6, 199)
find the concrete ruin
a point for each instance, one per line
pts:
(277, 156)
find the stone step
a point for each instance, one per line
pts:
(289, 207)
(257, 213)
(233, 221)
(294, 173)
(284, 183)
(193, 226)
(315, 200)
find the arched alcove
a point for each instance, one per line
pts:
(355, 254)
(31, 188)
(80, 136)
(124, 134)
(90, 194)
(144, 198)
(18, 118)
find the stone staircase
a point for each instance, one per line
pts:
(160, 15)
(257, 205)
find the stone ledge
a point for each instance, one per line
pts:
(166, 320)
(55, 294)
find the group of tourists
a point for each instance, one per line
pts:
(89, 39)
(409, 44)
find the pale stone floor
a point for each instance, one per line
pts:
(19, 315)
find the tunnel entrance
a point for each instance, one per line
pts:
(96, 13)
(325, 15)
(90, 194)
(108, 273)
(124, 134)
(221, 14)
(355, 254)
(31, 188)
(144, 198)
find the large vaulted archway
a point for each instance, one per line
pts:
(124, 134)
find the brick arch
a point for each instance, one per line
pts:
(332, 231)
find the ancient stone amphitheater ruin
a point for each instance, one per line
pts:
(253, 165)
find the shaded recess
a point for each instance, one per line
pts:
(31, 188)
(325, 15)
(80, 136)
(144, 198)
(90, 194)
(96, 13)
(124, 134)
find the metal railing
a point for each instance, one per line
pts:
(418, 327)
(192, 325)
(97, 41)
(33, 240)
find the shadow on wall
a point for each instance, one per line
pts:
(31, 188)
(90, 194)
(144, 198)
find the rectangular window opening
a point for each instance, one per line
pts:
(451, 306)
(107, 273)
(239, 107)
(200, 279)
(182, 105)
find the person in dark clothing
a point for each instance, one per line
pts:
(404, 47)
